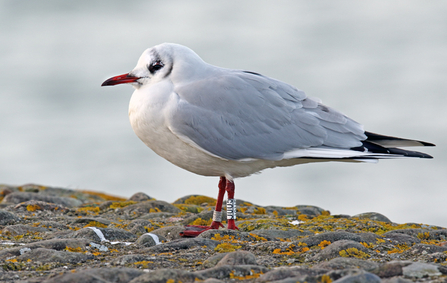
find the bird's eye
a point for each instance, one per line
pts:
(153, 67)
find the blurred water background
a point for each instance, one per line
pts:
(383, 63)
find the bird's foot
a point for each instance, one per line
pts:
(195, 230)
(232, 225)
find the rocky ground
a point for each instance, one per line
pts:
(62, 235)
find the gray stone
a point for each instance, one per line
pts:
(146, 240)
(91, 219)
(299, 274)
(18, 197)
(163, 275)
(108, 233)
(420, 270)
(360, 277)
(281, 234)
(344, 263)
(140, 197)
(37, 205)
(98, 275)
(438, 234)
(429, 249)
(21, 229)
(333, 250)
(213, 260)
(170, 233)
(126, 259)
(139, 226)
(373, 216)
(55, 244)
(238, 258)
(8, 218)
(48, 255)
(310, 210)
(145, 207)
(224, 271)
(235, 234)
(339, 235)
(396, 280)
(181, 244)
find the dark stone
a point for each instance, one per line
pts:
(373, 216)
(98, 275)
(18, 197)
(400, 238)
(48, 255)
(390, 269)
(181, 244)
(140, 197)
(41, 205)
(8, 218)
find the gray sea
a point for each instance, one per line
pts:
(383, 63)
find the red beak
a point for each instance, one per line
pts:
(121, 79)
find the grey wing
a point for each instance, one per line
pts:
(243, 115)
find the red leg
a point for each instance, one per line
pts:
(230, 193)
(195, 230)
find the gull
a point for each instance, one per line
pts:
(229, 123)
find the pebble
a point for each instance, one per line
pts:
(420, 270)
(7, 218)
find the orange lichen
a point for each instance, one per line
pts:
(324, 244)
(95, 224)
(33, 207)
(202, 222)
(226, 248)
(198, 200)
(103, 195)
(259, 210)
(120, 204)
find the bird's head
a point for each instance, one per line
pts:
(165, 61)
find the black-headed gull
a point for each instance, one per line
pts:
(229, 123)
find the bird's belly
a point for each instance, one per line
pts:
(167, 145)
